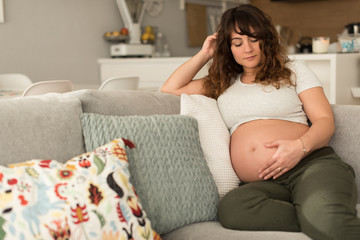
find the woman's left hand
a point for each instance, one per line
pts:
(288, 155)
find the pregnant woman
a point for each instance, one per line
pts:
(280, 123)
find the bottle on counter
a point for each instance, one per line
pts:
(159, 44)
(166, 51)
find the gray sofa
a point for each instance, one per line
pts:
(49, 127)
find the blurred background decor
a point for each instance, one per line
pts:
(2, 18)
(39, 41)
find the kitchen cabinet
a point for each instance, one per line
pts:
(338, 72)
(152, 72)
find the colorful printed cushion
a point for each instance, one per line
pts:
(167, 166)
(89, 197)
(214, 138)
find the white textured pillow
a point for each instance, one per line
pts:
(214, 139)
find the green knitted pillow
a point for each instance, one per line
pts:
(167, 166)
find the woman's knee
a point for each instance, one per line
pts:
(232, 209)
(321, 220)
(251, 207)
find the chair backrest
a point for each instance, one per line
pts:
(14, 81)
(58, 86)
(120, 83)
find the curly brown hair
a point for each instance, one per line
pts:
(254, 23)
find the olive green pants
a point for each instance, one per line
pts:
(317, 197)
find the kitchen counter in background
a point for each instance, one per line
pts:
(338, 72)
(152, 72)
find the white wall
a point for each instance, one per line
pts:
(62, 39)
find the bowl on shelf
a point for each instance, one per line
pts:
(116, 38)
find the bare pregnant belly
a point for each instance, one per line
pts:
(247, 144)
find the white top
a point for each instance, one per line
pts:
(242, 103)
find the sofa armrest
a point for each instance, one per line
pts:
(347, 134)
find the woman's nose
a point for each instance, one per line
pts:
(248, 47)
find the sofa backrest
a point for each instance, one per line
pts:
(49, 126)
(40, 127)
(127, 102)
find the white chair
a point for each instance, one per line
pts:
(14, 81)
(57, 86)
(120, 83)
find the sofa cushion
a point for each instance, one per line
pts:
(89, 197)
(214, 138)
(167, 165)
(43, 127)
(127, 102)
(214, 231)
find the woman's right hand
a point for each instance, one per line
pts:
(209, 45)
(181, 80)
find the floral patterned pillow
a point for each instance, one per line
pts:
(88, 197)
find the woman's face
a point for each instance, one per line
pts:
(246, 51)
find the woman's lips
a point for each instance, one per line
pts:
(250, 58)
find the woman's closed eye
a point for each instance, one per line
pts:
(237, 42)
